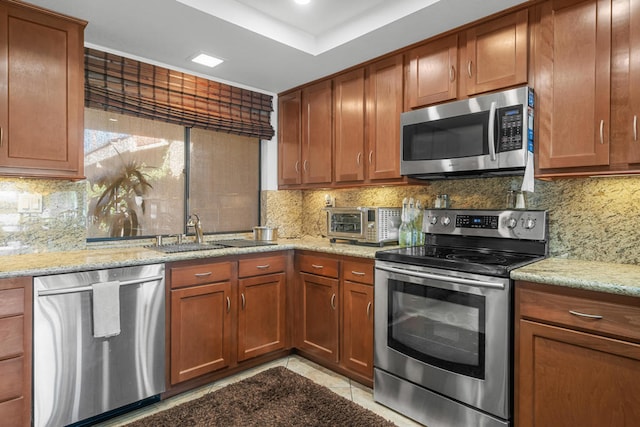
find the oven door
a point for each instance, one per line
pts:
(447, 331)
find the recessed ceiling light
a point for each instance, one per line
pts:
(208, 60)
(303, 1)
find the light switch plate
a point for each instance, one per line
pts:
(29, 203)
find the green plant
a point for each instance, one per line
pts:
(123, 193)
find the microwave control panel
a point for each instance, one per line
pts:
(512, 127)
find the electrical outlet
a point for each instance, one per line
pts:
(329, 202)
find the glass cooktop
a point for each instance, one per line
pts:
(471, 260)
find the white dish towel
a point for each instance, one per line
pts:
(106, 309)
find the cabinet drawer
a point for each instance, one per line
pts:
(11, 336)
(613, 319)
(11, 374)
(11, 302)
(361, 272)
(264, 265)
(200, 274)
(318, 265)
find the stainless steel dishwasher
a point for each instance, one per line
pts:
(77, 375)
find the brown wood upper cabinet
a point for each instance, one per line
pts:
(384, 105)
(305, 136)
(367, 108)
(495, 56)
(497, 53)
(432, 72)
(348, 123)
(587, 87)
(317, 119)
(573, 75)
(41, 113)
(290, 139)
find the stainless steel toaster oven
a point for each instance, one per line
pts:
(369, 225)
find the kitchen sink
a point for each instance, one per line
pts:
(173, 248)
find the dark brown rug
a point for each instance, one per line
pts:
(275, 397)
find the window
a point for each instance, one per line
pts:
(140, 172)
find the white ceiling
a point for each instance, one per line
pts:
(267, 45)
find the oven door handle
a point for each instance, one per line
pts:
(459, 280)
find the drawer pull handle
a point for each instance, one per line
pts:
(262, 267)
(369, 310)
(297, 166)
(601, 131)
(244, 301)
(635, 128)
(469, 73)
(370, 156)
(357, 273)
(1, 136)
(318, 267)
(228, 304)
(207, 274)
(589, 316)
(333, 301)
(452, 73)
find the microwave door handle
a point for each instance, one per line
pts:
(491, 132)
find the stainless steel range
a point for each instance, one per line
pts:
(444, 316)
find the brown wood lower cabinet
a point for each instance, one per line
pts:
(357, 327)
(200, 330)
(572, 369)
(224, 313)
(262, 310)
(318, 333)
(15, 351)
(335, 305)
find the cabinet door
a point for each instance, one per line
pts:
(384, 106)
(41, 113)
(15, 351)
(497, 53)
(261, 315)
(317, 132)
(200, 330)
(432, 72)
(357, 349)
(289, 139)
(318, 333)
(570, 378)
(348, 95)
(633, 122)
(572, 66)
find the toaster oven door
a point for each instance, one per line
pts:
(349, 224)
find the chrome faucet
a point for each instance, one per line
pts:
(195, 223)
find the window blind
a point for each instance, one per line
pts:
(126, 86)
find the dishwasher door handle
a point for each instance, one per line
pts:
(49, 292)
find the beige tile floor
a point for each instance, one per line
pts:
(339, 384)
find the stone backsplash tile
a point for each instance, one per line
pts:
(59, 225)
(595, 219)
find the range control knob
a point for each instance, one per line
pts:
(433, 220)
(512, 223)
(529, 223)
(445, 220)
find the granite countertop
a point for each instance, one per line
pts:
(622, 279)
(109, 257)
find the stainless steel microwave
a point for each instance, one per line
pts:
(486, 135)
(368, 225)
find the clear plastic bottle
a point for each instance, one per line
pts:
(404, 232)
(417, 224)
